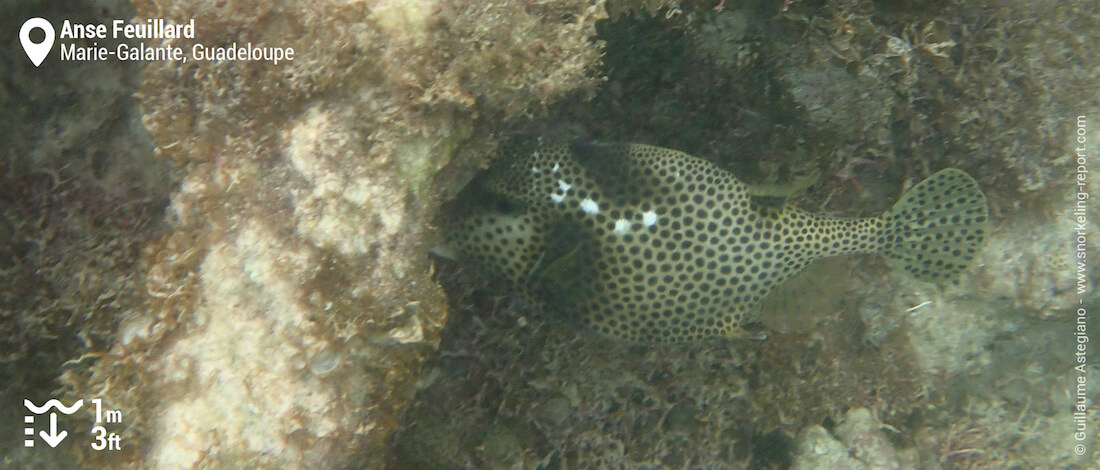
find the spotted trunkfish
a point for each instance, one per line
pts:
(650, 244)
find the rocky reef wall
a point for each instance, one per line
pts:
(289, 301)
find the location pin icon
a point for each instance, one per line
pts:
(36, 52)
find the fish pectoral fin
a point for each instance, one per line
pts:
(562, 279)
(558, 270)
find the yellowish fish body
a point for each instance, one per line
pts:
(650, 244)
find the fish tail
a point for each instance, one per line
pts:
(935, 230)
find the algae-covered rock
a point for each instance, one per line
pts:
(291, 300)
(860, 442)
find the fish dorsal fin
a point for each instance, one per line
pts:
(775, 195)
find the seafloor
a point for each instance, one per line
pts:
(236, 254)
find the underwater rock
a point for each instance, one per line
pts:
(858, 443)
(846, 103)
(291, 300)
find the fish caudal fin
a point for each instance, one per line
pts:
(935, 230)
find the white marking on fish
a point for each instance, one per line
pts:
(622, 227)
(590, 207)
(564, 186)
(557, 198)
(649, 218)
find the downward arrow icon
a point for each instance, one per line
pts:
(53, 438)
